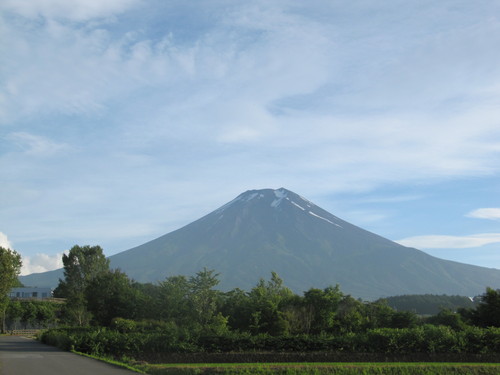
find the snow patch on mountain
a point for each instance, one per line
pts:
(245, 197)
(249, 197)
(280, 194)
(297, 205)
(322, 218)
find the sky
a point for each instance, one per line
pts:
(123, 120)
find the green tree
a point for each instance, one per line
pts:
(403, 319)
(322, 306)
(14, 314)
(299, 315)
(174, 300)
(487, 313)
(351, 315)
(204, 299)
(192, 303)
(448, 318)
(378, 314)
(111, 295)
(236, 305)
(10, 267)
(267, 299)
(82, 265)
(148, 303)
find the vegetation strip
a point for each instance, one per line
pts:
(329, 364)
(326, 368)
(110, 361)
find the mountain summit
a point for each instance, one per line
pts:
(277, 230)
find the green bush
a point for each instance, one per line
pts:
(123, 325)
(57, 338)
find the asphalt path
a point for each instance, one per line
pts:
(24, 356)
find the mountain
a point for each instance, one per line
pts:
(277, 230)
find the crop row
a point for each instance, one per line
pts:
(426, 339)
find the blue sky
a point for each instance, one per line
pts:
(123, 120)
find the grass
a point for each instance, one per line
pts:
(325, 369)
(113, 362)
(304, 368)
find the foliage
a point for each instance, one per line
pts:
(82, 265)
(10, 267)
(447, 318)
(138, 343)
(32, 314)
(266, 299)
(109, 295)
(188, 315)
(487, 313)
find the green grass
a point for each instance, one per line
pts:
(303, 368)
(112, 362)
(325, 369)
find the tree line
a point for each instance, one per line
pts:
(97, 295)
(181, 316)
(102, 297)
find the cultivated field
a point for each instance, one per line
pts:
(325, 369)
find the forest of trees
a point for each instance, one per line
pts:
(194, 315)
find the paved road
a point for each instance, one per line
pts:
(23, 356)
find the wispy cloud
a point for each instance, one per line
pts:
(450, 242)
(36, 145)
(485, 213)
(77, 10)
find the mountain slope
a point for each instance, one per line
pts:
(277, 230)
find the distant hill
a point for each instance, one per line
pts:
(430, 304)
(277, 230)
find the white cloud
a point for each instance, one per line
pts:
(77, 10)
(41, 263)
(450, 242)
(4, 241)
(485, 213)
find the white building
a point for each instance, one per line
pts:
(36, 293)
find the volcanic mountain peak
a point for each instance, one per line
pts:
(267, 230)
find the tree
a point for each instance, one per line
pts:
(111, 295)
(192, 303)
(236, 305)
(10, 267)
(378, 314)
(267, 298)
(448, 318)
(203, 297)
(322, 306)
(81, 266)
(174, 300)
(487, 313)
